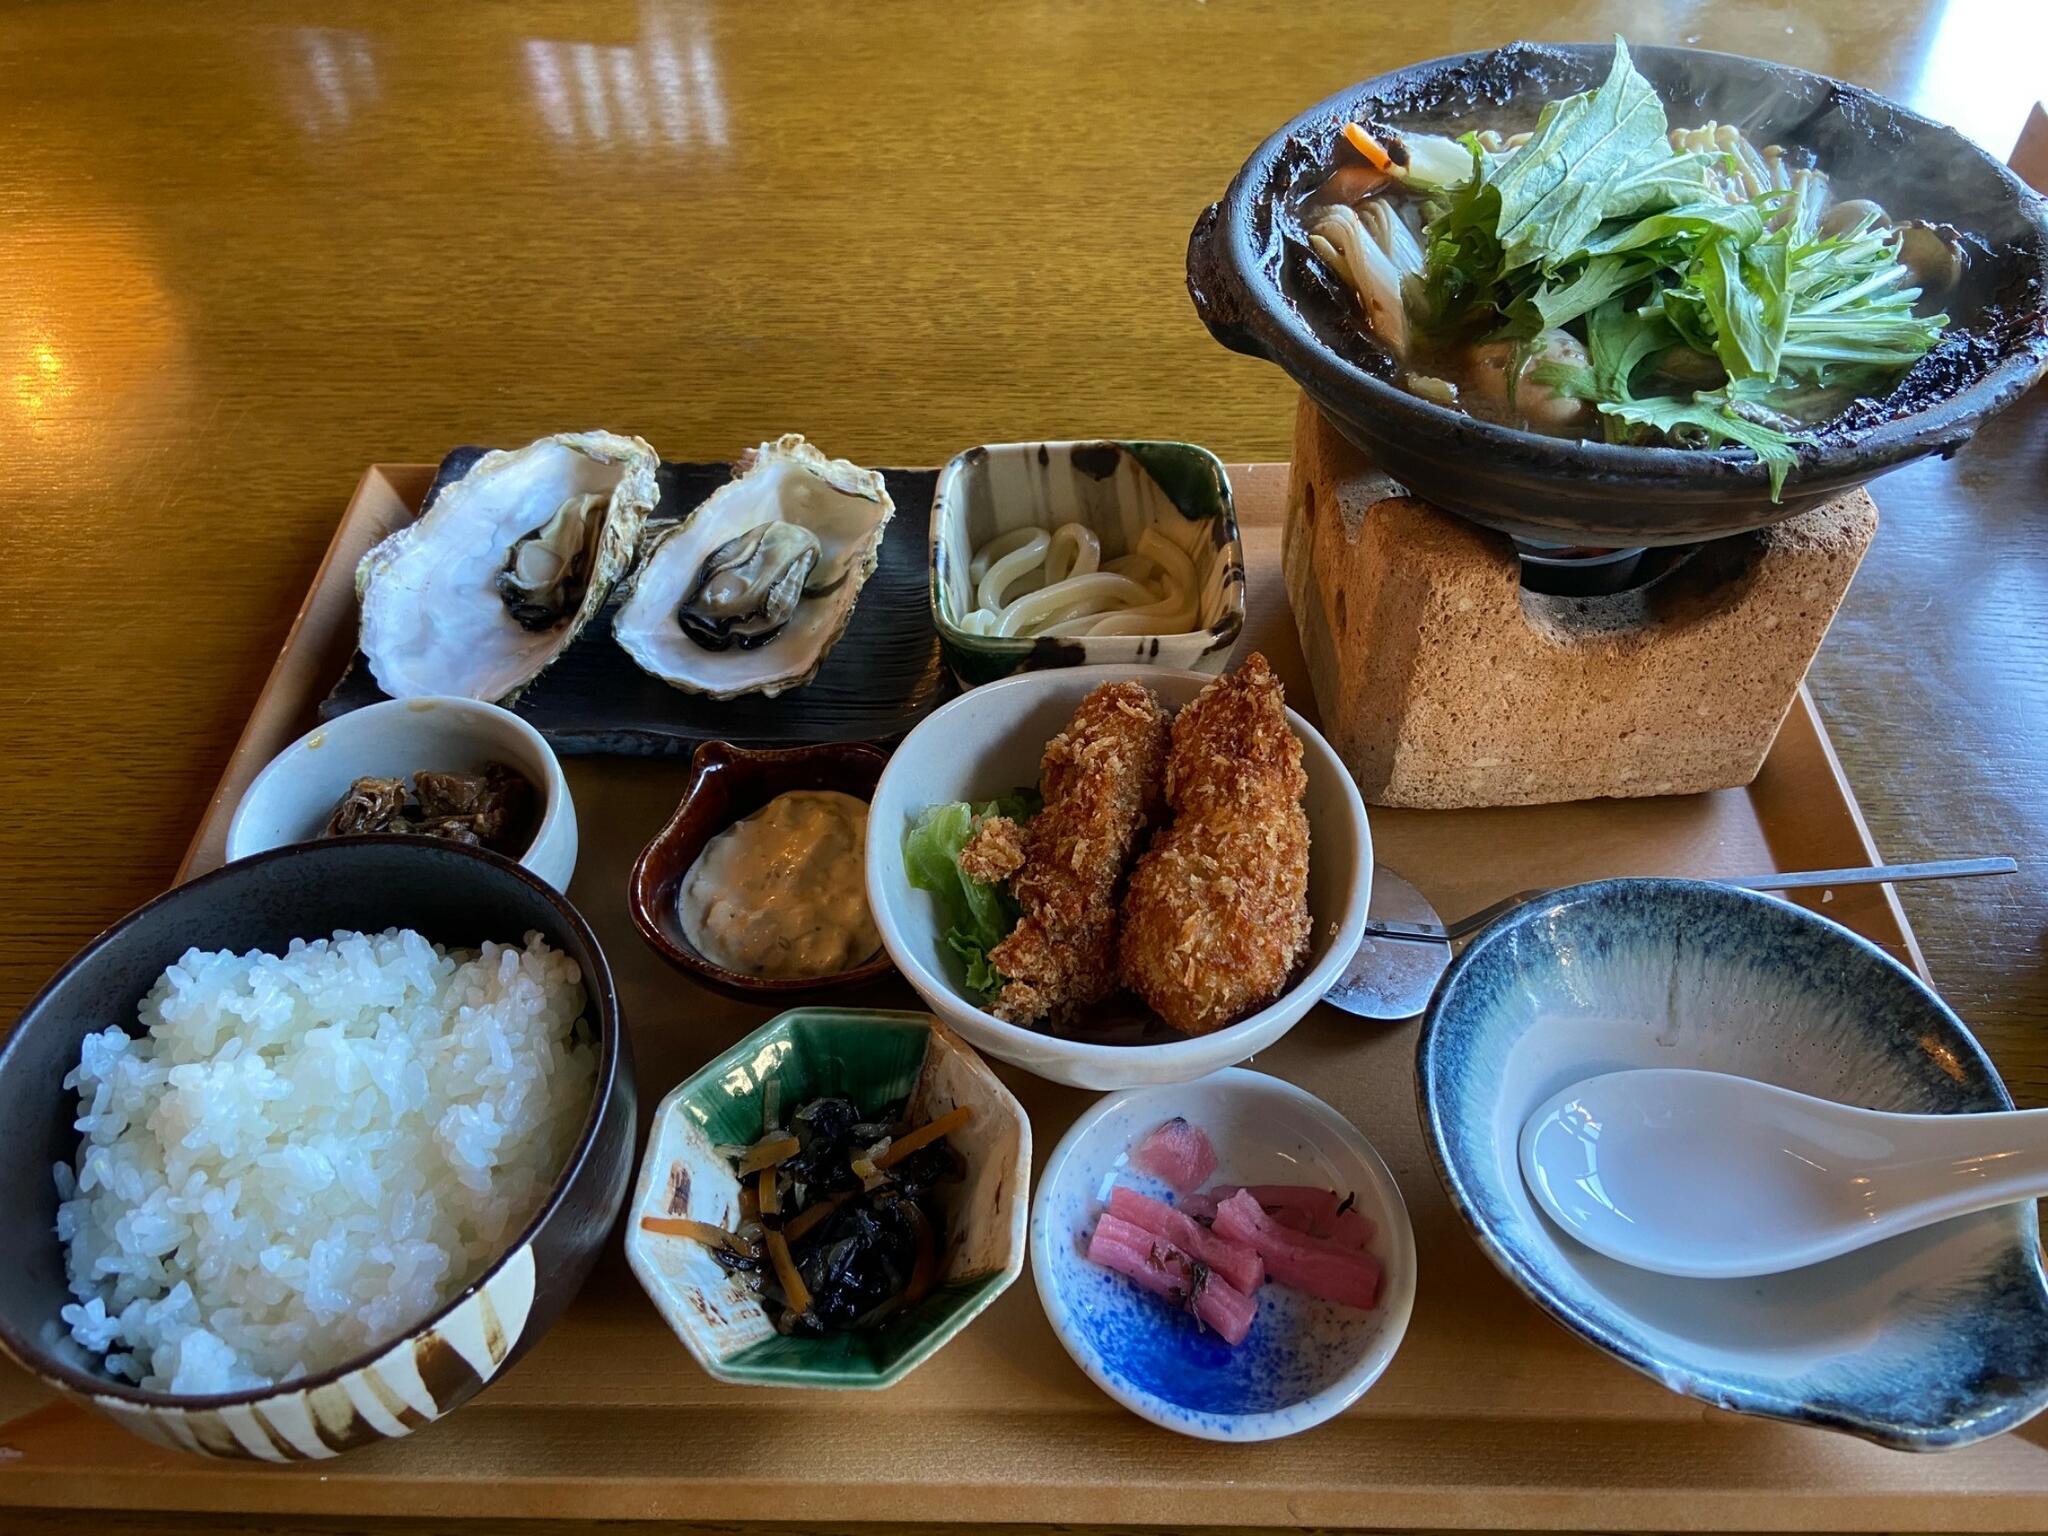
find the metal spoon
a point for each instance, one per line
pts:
(1713, 1177)
(1406, 945)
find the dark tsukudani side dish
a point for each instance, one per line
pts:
(1168, 860)
(840, 1225)
(495, 808)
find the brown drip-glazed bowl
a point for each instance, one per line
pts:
(728, 783)
(453, 895)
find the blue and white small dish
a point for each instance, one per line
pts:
(1304, 1360)
(1117, 490)
(1928, 1341)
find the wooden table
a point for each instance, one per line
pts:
(250, 248)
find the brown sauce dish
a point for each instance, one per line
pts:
(728, 783)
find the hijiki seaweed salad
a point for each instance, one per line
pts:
(840, 1227)
(1607, 275)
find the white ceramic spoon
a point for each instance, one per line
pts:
(1710, 1176)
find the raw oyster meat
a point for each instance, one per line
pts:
(750, 587)
(506, 568)
(750, 591)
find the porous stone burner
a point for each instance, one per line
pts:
(1443, 680)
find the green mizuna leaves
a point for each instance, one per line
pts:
(1597, 156)
(1708, 419)
(1738, 311)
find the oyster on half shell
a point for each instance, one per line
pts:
(506, 567)
(751, 590)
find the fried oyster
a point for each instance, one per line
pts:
(1101, 782)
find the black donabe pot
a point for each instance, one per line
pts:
(1599, 493)
(453, 895)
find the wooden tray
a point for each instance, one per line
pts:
(1489, 1416)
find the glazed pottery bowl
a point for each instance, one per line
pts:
(453, 895)
(1304, 1360)
(726, 784)
(1929, 1340)
(874, 1058)
(1117, 490)
(1245, 264)
(291, 799)
(989, 741)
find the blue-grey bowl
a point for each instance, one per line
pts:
(1929, 1341)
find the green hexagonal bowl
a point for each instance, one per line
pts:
(873, 1057)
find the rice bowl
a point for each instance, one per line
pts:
(303, 1155)
(476, 1331)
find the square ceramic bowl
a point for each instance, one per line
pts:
(1929, 1340)
(874, 1058)
(1117, 490)
(1305, 1360)
(988, 741)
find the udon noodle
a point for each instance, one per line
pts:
(1028, 582)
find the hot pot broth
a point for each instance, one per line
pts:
(1601, 273)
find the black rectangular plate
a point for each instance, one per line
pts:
(883, 676)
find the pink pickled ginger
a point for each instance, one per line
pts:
(1178, 1153)
(1318, 1266)
(1233, 1261)
(1159, 1267)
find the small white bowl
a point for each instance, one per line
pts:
(1304, 1360)
(987, 743)
(291, 799)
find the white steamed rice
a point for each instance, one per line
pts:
(306, 1155)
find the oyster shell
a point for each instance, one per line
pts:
(506, 568)
(722, 604)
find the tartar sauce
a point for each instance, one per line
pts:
(781, 894)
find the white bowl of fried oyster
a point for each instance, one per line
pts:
(1179, 831)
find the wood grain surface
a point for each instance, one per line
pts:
(249, 248)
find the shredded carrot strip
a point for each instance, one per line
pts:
(750, 1204)
(770, 1193)
(793, 1290)
(925, 1135)
(1368, 146)
(701, 1231)
(766, 1153)
(798, 1225)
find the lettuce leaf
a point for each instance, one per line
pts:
(976, 917)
